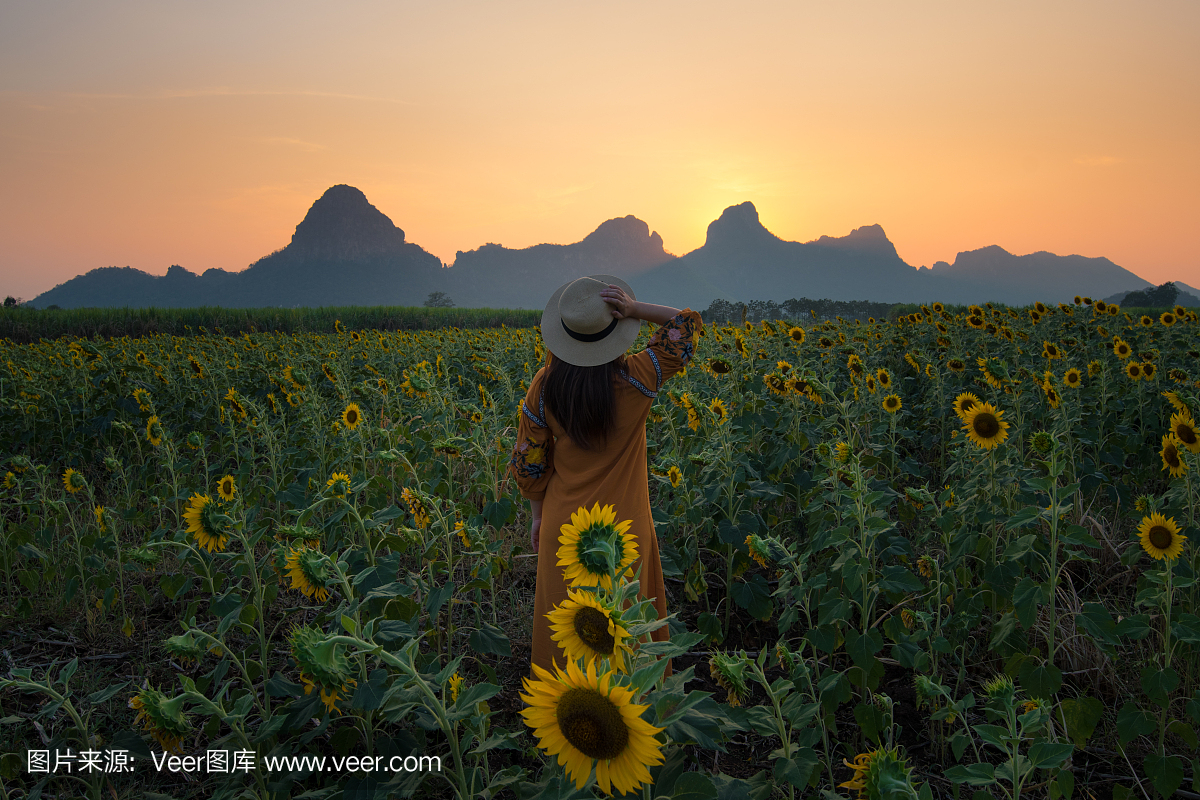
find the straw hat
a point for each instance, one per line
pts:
(578, 325)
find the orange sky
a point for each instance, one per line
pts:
(148, 133)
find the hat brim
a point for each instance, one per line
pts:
(588, 354)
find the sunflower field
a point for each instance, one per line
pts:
(950, 554)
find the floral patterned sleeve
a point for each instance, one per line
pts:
(674, 343)
(531, 462)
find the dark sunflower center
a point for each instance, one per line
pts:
(967, 404)
(591, 626)
(1171, 456)
(986, 426)
(592, 724)
(1161, 537)
(1185, 433)
(352, 417)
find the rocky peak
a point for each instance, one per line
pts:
(343, 225)
(867, 239)
(737, 226)
(628, 236)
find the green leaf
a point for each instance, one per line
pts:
(95, 698)
(710, 625)
(1026, 596)
(863, 647)
(1159, 683)
(1040, 680)
(1133, 722)
(1023, 517)
(693, 786)
(1165, 772)
(1005, 627)
(1082, 716)
(972, 775)
(1019, 547)
(1049, 755)
(1135, 627)
(754, 595)
(1185, 732)
(369, 695)
(490, 640)
(798, 769)
(350, 626)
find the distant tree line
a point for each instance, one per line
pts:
(1163, 296)
(794, 309)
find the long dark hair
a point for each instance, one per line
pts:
(582, 399)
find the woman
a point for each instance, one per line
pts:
(582, 435)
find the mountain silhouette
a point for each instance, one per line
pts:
(497, 276)
(347, 252)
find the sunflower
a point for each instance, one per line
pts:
(984, 426)
(73, 481)
(964, 403)
(1040, 307)
(1050, 350)
(1160, 537)
(1113, 310)
(1052, 396)
(1167, 318)
(203, 524)
(226, 488)
(976, 322)
(1175, 402)
(855, 365)
(1073, 378)
(870, 384)
(1145, 321)
(143, 399)
(308, 570)
(1183, 427)
(1172, 461)
(1179, 312)
(587, 531)
(1134, 370)
(892, 404)
(1148, 370)
(338, 484)
(455, 682)
(323, 665)
(585, 719)
(718, 410)
(775, 384)
(1094, 368)
(728, 672)
(1101, 306)
(719, 366)
(796, 334)
(154, 431)
(885, 378)
(1121, 349)
(955, 365)
(352, 416)
(163, 718)
(584, 628)
(477, 417)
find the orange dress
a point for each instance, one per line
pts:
(549, 466)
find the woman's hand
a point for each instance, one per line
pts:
(535, 533)
(623, 305)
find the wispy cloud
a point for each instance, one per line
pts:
(1097, 161)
